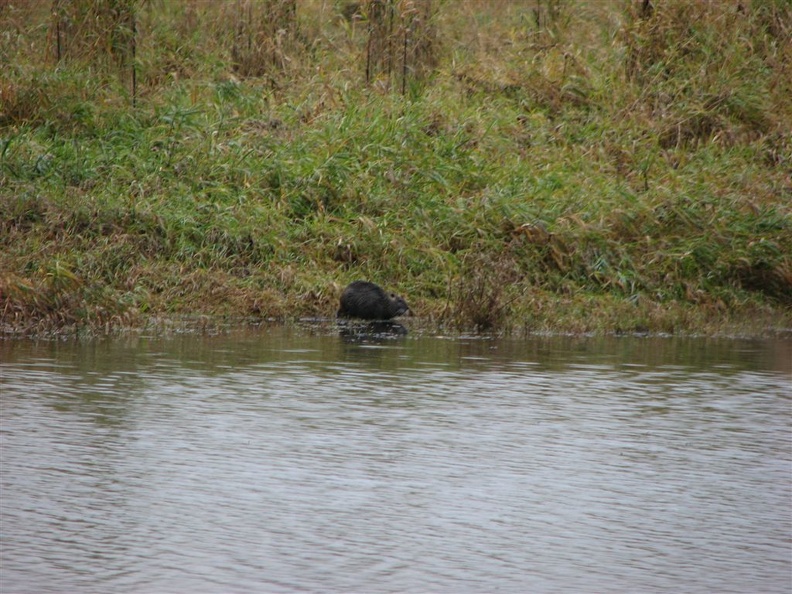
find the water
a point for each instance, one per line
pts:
(287, 460)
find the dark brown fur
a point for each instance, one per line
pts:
(365, 300)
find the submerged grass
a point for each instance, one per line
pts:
(558, 166)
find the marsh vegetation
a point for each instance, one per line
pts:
(507, 165)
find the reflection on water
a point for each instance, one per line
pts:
(371, 332)
(293, 460)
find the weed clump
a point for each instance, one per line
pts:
(483, 292)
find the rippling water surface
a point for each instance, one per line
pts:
(286, 460)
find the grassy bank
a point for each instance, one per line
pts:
(537, 166)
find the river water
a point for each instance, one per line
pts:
(294, 460)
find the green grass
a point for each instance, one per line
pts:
(635, 177)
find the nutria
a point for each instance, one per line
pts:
(362, 299)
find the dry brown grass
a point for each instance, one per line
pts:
(264, 35)
(401, 46)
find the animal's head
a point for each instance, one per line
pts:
(400, 306)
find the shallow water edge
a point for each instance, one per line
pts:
(780, 328)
